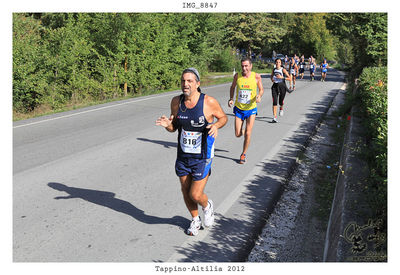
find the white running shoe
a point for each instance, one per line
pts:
(195, 225)
(209, 214)
(274, 120)
(280, 112)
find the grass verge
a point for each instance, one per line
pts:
(207, 80)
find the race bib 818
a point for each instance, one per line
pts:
(191, 142)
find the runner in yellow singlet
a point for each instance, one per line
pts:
(245, 84)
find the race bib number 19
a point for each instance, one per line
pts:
(191, 142)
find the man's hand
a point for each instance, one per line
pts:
(213, 130)
(258, 98)
(230, 103)
(164, 121)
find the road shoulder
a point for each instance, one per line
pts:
(295, 231)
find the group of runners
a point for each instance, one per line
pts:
(193, 114)
(296, 67)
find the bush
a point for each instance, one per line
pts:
(225, 61)
(373, 97)
(262, 66)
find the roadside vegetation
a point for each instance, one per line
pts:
(367, 74)
(64, 61)
(69, 60)
(372, 98)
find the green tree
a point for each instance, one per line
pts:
(306, 34)
(314, 37)
(252, 31)
(67, 51)
(367, 34)
(29, 83)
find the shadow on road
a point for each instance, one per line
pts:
(107, 199)
(168, 144)
(231, 239)
(258, 118)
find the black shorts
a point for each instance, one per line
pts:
(278, 93)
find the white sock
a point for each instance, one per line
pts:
(197, 218)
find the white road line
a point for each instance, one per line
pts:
(107, 107)
(92, 110)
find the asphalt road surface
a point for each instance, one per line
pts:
(98, 184)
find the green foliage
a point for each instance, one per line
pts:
(305, 34)
(224, 61)
(70, 58)
(364, 34)
(373, 96)
(28, 63)
(252, 31)
(344, 51)
(371, 29)
(315, 37)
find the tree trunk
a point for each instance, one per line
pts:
(249, 51)
(115, 83)
(126, 84)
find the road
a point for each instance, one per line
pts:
(98, 184)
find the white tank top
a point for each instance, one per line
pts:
(278, 72)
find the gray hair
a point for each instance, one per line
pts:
(193, 71)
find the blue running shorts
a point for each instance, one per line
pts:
(244, 114)
(198, 168)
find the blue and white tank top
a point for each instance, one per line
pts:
(276, 73)
(193, 138)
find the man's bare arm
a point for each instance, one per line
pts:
(170, 123)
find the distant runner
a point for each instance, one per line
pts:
(324, 70)
(278, 89)
(286, 65)
(293, 72)
(312, 68)
(246, 84)
(192, 114)
(302, 65)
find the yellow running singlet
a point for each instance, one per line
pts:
(246, 92)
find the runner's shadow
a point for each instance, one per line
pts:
(168, 144)
(264, 118)
(223, 157)
(258, 118)
(107, 199)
